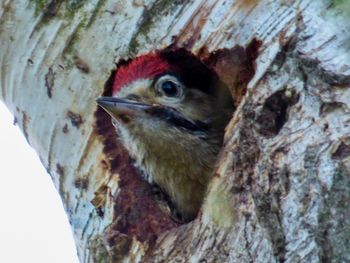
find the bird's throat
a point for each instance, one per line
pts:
(168, 161)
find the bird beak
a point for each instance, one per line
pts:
(117, 107)
(123, 109)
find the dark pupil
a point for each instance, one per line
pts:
(169, 88)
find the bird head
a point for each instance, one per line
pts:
(159, 92)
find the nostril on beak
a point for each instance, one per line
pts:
(133, 97)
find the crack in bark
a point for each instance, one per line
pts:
(314, 67)
(247, 242)
(334, 220)
(269, 217)
(50, 81)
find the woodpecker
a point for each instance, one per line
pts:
(170, 111)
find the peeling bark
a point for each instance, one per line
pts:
(280, 191)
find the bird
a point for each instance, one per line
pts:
(170, 110)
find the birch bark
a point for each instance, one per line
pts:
(281, 188)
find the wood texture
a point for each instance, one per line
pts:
(281, 188)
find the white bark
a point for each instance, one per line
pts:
(281, 190)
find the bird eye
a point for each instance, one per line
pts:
(169, 86)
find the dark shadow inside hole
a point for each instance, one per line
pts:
(274, 113)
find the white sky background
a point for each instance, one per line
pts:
(33, 225)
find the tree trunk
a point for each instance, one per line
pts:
(281, 188)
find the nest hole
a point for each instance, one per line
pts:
(136, 210)
(275, 112)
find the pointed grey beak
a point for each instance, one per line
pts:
(120, 108)
(117, 106)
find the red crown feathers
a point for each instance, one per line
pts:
(142, 67)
